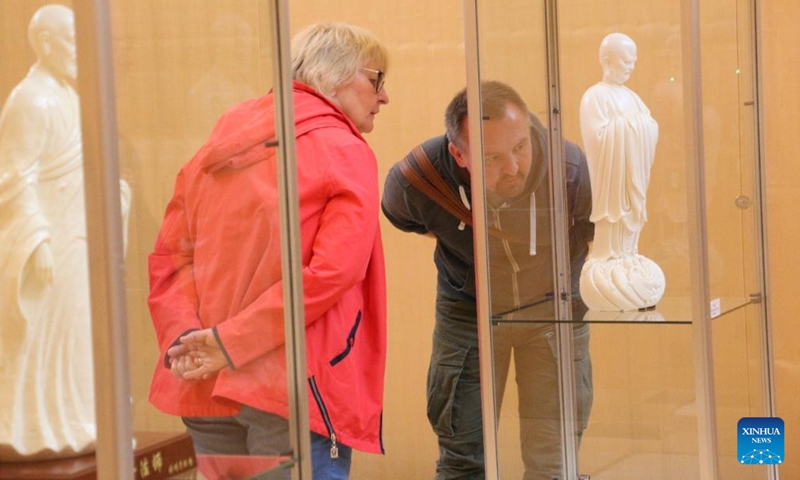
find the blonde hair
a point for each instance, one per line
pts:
(326, 55)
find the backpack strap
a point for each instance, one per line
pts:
(431, 184)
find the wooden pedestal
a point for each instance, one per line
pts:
(158, 455)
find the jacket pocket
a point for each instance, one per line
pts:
(351, 340)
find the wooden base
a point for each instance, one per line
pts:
(158, 455)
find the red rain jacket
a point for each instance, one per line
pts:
(217, 263)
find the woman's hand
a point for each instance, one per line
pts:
(198, 356)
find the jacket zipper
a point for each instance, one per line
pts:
(351, 340)
(325, 417)
(511, 260)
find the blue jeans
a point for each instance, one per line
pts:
(255, 432)
(325, 467)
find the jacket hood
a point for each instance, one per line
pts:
(240, 137)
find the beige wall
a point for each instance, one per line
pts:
(179, 64)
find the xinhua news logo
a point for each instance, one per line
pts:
(761, 441)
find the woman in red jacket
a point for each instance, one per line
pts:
(216, 292)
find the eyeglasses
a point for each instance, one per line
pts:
(376, 82)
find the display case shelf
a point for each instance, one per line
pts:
(669, 311)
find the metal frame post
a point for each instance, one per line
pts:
(698, 241)
(480, 229)
(566, 367)
(291, 259)
(114, 448)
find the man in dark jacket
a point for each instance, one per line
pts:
(521, 256)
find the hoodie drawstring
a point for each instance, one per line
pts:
(533, 224)
(465, 201)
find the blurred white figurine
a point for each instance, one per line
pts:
(619, 137)
(46, 371)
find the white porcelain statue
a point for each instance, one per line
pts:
(46, 370)
(619, 137)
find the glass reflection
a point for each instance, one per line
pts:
(516, 173)
(548, 220)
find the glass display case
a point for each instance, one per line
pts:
(653, 390)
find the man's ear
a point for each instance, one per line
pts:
(458, 155)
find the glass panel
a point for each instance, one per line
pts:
(179, 66)
(664, 236)
(523, 213)
(740, 385)
(522, 260)
(658, 81)
(732, 195)
(658, 192)
(733, 203)
(643, 422)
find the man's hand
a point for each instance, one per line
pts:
(198, 356)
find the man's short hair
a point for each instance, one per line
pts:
(495, 97)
